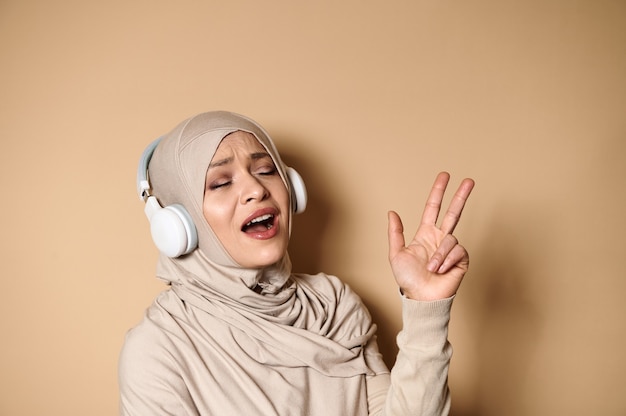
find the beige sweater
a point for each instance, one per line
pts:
(227, 340)
(163, 372)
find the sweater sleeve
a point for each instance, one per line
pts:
(418, 383)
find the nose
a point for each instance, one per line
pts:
(252, 189)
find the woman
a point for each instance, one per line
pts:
(237, 333)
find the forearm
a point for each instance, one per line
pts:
(418, 384)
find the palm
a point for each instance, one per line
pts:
(433, 264)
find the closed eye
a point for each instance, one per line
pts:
(218, 184)
(267, 171)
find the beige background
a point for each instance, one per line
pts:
(368, 100)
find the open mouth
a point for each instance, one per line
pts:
(259, 224)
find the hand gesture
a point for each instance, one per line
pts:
(432, 266)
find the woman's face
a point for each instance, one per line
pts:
(246, 202)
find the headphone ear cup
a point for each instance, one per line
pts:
(298, 191)
(173, 231)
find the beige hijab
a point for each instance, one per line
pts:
(177, 174)
(265, 333)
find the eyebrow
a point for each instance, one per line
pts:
(253, 156)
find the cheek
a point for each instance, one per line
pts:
(282, 196)
(217, 215)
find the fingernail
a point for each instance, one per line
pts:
(432, 266)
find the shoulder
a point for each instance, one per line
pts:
(153, 346)
(149, 371)
(144, 350)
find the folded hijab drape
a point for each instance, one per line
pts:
(267, 339)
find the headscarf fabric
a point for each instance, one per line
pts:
(267, 339)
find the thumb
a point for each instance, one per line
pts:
(395, 233)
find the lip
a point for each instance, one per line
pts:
(265, 234)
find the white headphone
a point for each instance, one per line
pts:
(172, 228)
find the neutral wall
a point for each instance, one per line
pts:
(368, 100)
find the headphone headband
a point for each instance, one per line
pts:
(143, 186)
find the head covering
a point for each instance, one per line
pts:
(177, 174)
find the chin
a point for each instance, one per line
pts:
(262, 260)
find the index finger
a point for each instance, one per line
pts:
(433, 203)
(453, 214)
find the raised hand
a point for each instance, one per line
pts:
(433, 264)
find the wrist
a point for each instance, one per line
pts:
(422, 296)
